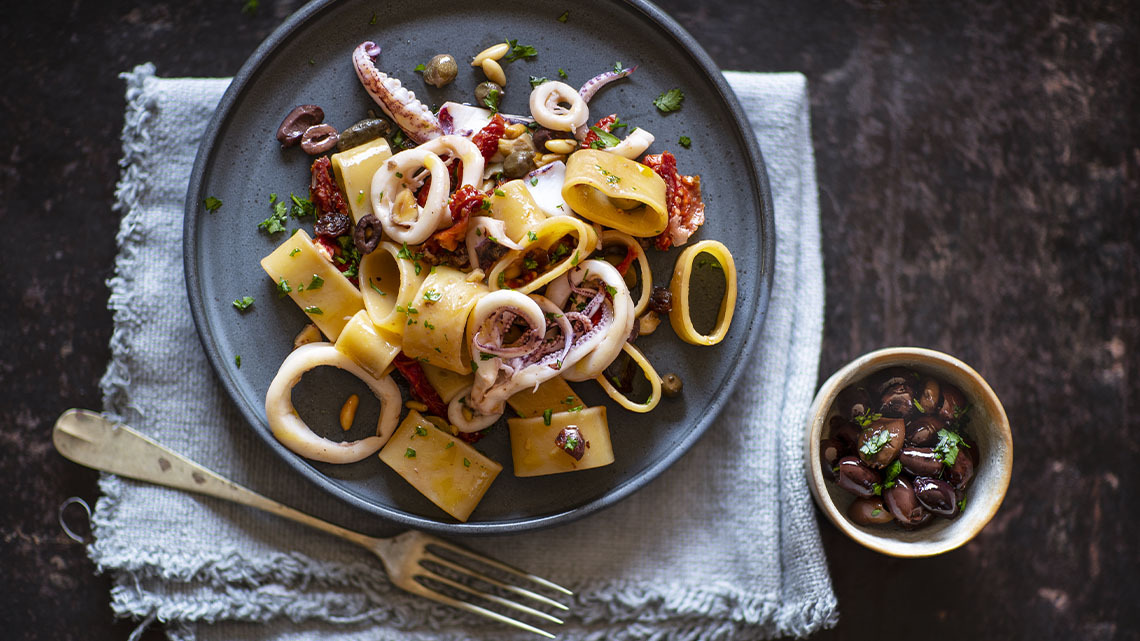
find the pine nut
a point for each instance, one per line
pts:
(348, 412)
(514, 131)
(416, 405)
(494, 52)
(494, 72)
(561, 146)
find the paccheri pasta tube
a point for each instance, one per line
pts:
(435, 325)
(353, 170)
(680, 317)
(371, 348)
(317, 287)
(513, 204)
(555, 246)
(536, 448)
(616, 192)
(389, 278)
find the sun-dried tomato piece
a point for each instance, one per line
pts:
(421, 388)
(466, 201)
(623, 266)
(487, 140)
(605, 124)
(683, 196)
(323, 189)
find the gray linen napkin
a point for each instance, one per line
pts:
(723, 546)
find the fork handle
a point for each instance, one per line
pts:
(93, 440)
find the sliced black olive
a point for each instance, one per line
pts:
(903, 504)
(318, 139)
(366, 236)
(869, 511)
(660, 300)
(879, 443)
(488, 94)
(519, 163)
(921, 461)
(936, 495)
(297, 122)
(570, 440)
(923, 431)
(857, 478)
(440, 70)
(331, 224)
(362, 132)
(670, 383)
(830, 451)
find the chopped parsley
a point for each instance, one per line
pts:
(962, 504)
(605, 138)
(316, 283)
(537, 80)
(492, 100)
(250, 7)
(450, 444)
(534, 183)
(466, 463)
(373, 19)
(420, 68)
(276, 221)
(409, 453)
(428, 325)
(714, 264)
(893, 471)
(562, 73)
(947, 448)
(484, 356)
(574, 261)
(407, 254)
(212, 204)
(302, 207)
(576, 408)
(376, 289)
(432, 295)
(283, 287)
(520, 51)
(611, 290)
(876, 511)
(313, 309)
(918, 406)
(500, 192)
(243, 303)
(546, 415)
(618, 67)
(237, 360)
(877, 442)
(420, 431)
(531, 236)
(565, 16)
(866, 418)
(670, 100)
(296, 250)
(530, 263)
(685, 141)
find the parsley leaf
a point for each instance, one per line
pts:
(565, 16)
(212, 204)
(276, 221)
(409, 453)
(877, 442)
(618, 67)
(237, 360)
(283, 287)
(432, 295)
(866, 418)
(670, 100)
(562, 73)
(607, 139)
(420, 68)
(546, 415)
(466, 463)
(301, 207)
(243, 303)
(313, 309)
(520, 51)
(250, 7)
(686, 142)
(947, 448)
(316, 283)
(537, 80)
(893, 471)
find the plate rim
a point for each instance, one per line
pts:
(758, 178)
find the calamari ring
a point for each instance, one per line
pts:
(294, 434)
(463, 150)
(615, 334)
(394, 200)
(680, 317)
(484, 229)
(546, 107)
(650, 375)
(613, 236)
(497, 373)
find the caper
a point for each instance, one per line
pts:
(488, 94)
(364, 131)
(519, 164)
(441, 70)
(671, 385)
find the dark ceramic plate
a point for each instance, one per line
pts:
(307, 60)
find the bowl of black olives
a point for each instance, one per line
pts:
(908, 451)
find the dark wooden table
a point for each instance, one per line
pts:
(979, 173)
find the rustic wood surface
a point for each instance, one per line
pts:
(979, 173)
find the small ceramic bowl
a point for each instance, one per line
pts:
(988, 427)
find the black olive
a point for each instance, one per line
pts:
(542, 135)
(366, 236)
(844, 431)
(898, 401)
(488, 94)
(857, 478)
(440, 70)
(488, 253)
(296, 122)
(923, 431)
(877, 449)
(519, 163)
(670, 383)
(570, 440)
(920, 461)
(318, 139)
(660, 300)
(870, 511)
(331, 224)
(953, 403)
(936, 495)
(830, 451)
(962, 471)
(930, 396)
(903, 504)
(890, 377)
(362, 132)
(854, 401)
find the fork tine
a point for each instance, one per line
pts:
(499, 565)
(471, 607)
(507, 603)
(435, 558)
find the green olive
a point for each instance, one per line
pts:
(671, 385)
(488, 94)
(519, 164)
(364, 131)
(441, 70)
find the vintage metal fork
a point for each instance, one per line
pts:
(93, 440)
